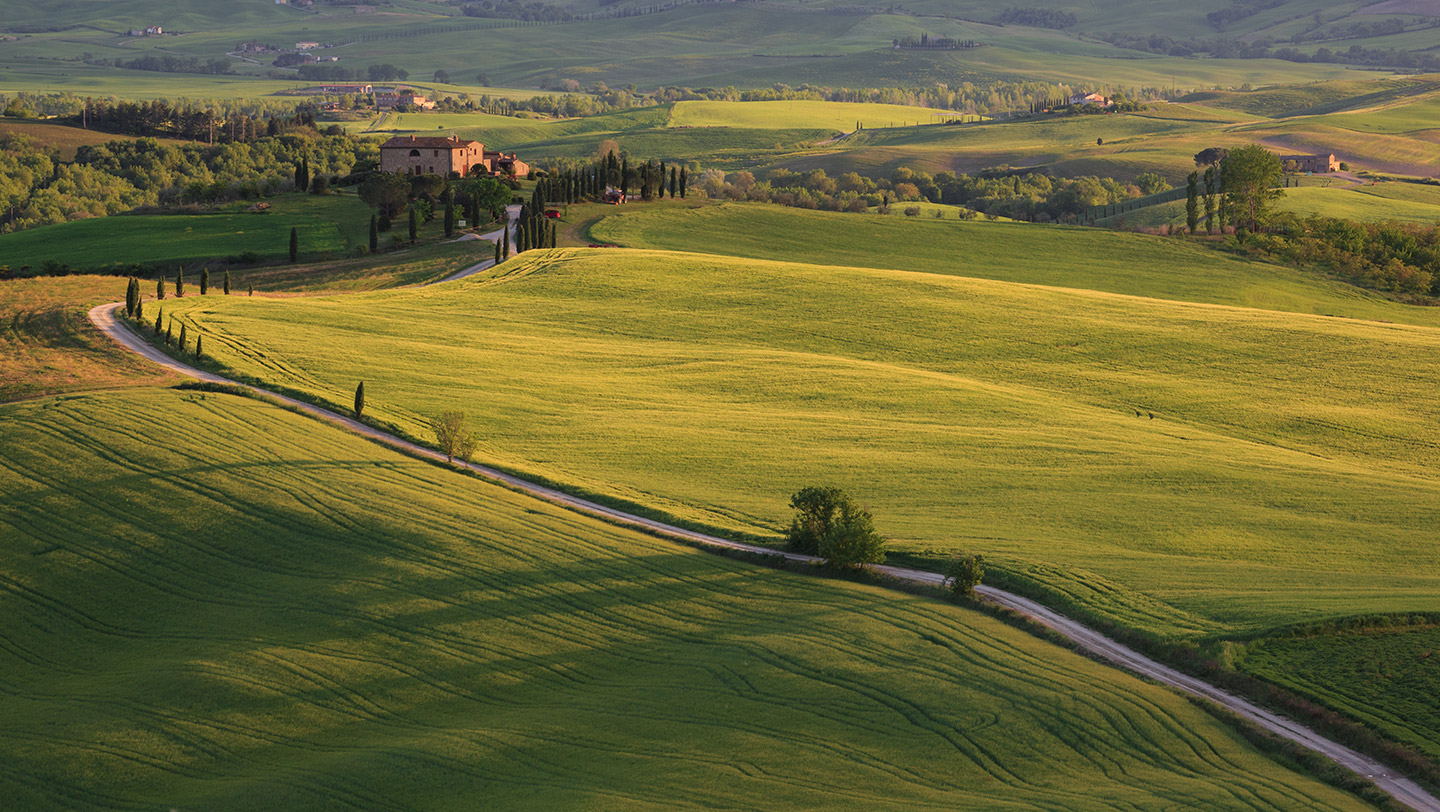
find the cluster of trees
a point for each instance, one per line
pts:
(1022, 195)
(1238, 187)
(208, 123)
(332, 72)
(1038, 17)
(927, 42)
(1265, 48)
(37, 188)
(165, 331)
(422, 197)
(1239, 10)
(177, 64)
(533, 11)
(1397, 258)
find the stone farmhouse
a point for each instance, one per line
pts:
(1099, 99)
(1319, 164)
(419, 155)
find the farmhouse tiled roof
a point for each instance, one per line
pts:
(412, 142)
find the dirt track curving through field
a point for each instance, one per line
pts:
(1403, 789)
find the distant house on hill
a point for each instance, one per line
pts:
(1099, 99)
(1319, 164)
(306, 46)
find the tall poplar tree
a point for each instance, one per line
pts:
(204, 281)
(227, 282)
(180, 283)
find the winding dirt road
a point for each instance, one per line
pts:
(1403, 789)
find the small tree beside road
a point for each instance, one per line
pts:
(830, 524)
(963, 574)
(453, 435)
(359, 399)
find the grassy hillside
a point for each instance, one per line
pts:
(47, 347)
(1186, 468)
(1386, 677)
(282, 615)
(1070, 257)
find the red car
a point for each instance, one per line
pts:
(551, 214)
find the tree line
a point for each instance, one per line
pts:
(38, 188)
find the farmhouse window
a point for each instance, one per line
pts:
(414, 153)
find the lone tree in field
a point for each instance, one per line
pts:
(360, 399)
(1192, 201)
(1247, 175)
(204, 281)
(179, 283)
(227, 281)
(414, 227)
(453, 435)
(963, 573)
(294, 244)
(374, 234)
(828, 523)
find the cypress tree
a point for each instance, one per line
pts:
(294, 244)
(305, 176)
(227, 281)
(300, 183)
(179, 283)
(449, 219)
(159, 322)
(625, 176)
(199, 346)
(182, 337)
(663, 174)
(170, 333)
(131, 296)
(497, 252)
(140, 312)
(507, 241)
(1192, 201)
(204, 281)
(359, 399)
(1210, 199)
(674, 181)
(684, 181)
(414, 227)
(374, 234)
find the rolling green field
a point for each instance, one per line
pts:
(283, 615)
(1387, 678)
(1059, 256)
(327, 226)
(1190, 469)
(780, 115)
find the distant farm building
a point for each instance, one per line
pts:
(1099, 99)
(148, 31)
(1319, 164)
(306, 46)
(419, 155)
(403, 98)
(502, 164)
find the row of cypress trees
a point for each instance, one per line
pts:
(166, 332)
(1215, 216)
(132, 291)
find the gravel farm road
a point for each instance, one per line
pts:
(1403, 789)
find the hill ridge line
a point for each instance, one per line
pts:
(1403, 789)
